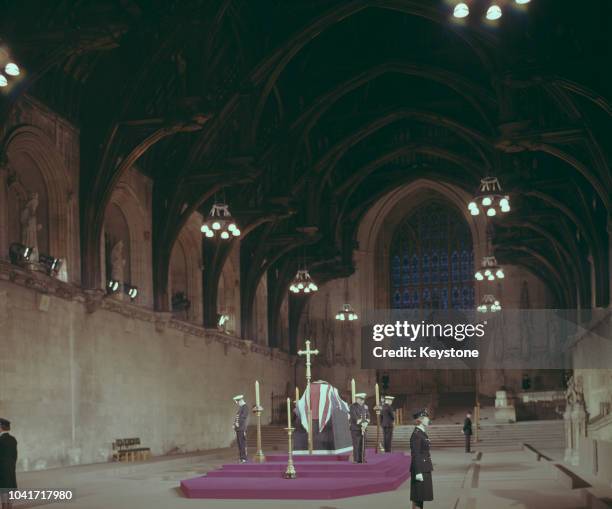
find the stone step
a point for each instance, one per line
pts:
(543, 434)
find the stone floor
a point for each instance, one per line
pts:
(507, 479)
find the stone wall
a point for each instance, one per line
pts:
(591, 451)
(78, 371)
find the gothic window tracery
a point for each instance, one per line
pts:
(432, 260)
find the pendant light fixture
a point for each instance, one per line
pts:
(489, 270)
(489, 304)
(490, 199)
(220, 223)
(347, 313)
(303, 283)
(9, 70)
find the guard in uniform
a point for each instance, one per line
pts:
(387, 419)
(8, 461)
(359, 419)
(240, 426)
(467, 431)
(421, 486)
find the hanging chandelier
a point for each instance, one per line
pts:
(220, 223)
(489, 270)
(347, 313)
(9, 70)
(489, 305)
(494, 10)
(303, 283)
(489, 198)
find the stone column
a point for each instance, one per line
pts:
(579, 429)
(569, 435)
(4, 226)
(610, 255)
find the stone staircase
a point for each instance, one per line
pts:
(542, 435)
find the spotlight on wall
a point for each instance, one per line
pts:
(18, 253)
(112, 286)
(52, 264)
(131, 291)
(461, 10)
(494, 12)
(222, 320)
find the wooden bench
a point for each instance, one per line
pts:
(128, 449)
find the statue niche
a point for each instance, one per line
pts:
(117, 264)
(30, 226)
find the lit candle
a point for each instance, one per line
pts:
(257, 392)
(377, 396)
(288, 412)
(352, 390)
(297, 395)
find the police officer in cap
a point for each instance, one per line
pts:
(8, 461)
(240, 426)
(359, 419)
(421, 486)
(387, 420)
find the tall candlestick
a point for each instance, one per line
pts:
(352, 390)
(288, 412)
(290, 472)
(377, 409)
(259, 455)
(297, 395)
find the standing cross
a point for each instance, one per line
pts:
(308, 353)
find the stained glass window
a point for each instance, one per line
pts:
(432, 260)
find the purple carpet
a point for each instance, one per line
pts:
(318, 478)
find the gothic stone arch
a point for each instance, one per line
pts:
(30, 143)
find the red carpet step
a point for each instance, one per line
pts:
(318, 478)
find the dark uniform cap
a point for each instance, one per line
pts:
(5, 424)
(421, 413)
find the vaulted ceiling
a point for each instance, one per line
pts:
(305, 112)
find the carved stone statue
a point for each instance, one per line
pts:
(117, 262)
(576, 419)
(30, 226)
(574, 395)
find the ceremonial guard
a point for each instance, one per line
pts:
(421, 486)
(467, 431)
(387, 420)
(8, 460)
(240, 426)
(359, 419)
